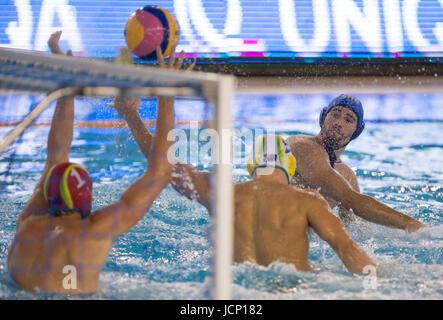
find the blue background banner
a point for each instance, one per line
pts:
(237, 28)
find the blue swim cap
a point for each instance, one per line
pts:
(349, 102)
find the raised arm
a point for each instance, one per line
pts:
(187, 180)
(313, 165)
(332, 230)
(121, 216)
(59, 141)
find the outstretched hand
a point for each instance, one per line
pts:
(173, 64)
(53, 44)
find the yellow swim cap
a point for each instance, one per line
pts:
(272, 151)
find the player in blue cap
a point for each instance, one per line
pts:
(319, 165)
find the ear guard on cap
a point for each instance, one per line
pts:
(272, 153)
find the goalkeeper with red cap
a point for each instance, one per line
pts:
(319, 166)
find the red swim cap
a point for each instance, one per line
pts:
(68, 187)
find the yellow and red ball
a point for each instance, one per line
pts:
(148, 28)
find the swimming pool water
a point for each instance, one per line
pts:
(167, 255)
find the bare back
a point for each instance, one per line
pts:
(271, 224)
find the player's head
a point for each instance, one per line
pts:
(272, 151)
(68, 188)
(341, 121)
